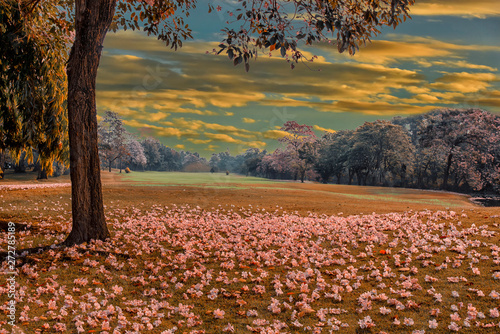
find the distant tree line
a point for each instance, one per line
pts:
(450, 149)
(445, 149)
(120, 149)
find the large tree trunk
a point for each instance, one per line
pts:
(302, 176)
(92, 20)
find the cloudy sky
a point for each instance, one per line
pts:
(448, 55)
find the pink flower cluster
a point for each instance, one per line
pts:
(33, 186)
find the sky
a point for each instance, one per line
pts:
(446, 56)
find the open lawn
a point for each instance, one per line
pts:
(218, 180)
(202, 253)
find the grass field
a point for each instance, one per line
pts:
(348, 193)
(252, 255)
(217, 180)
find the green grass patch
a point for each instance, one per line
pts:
(235, 181)
(218, 180)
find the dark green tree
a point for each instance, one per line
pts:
(33, 82)
(381, 149)
(333, 151)
(152, 147)
(251, 160)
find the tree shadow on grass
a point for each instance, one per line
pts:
(22, 255)
(4, 226)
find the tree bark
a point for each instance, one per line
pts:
(2, 163)
(92, 20)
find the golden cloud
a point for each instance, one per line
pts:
(227, 129)
(375, 107)
(248, 120)
(199, 141)
(219, 99)
(179, 110)
(464, 82)
(426, 98)
(228, 139)
(274, 134)
(223, 138)
(490, 99)
(441, 44)
(464, 64)
(175, 132)
(383, 52)
(449, 97)
(382, 107)
(158, 116)
(319, 128)
(418, 89)
(420, 50)
(136, 124)
(256, 144)
(183, 123)
(201, 126)
(463, 8)
(212, 147)
(161, 131)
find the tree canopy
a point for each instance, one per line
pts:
(286, 25)
(467, 142)
(272, 25)
(298, 141)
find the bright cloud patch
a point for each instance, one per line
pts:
(464, 8)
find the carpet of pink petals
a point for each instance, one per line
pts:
(28, 186)
(186, 270)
